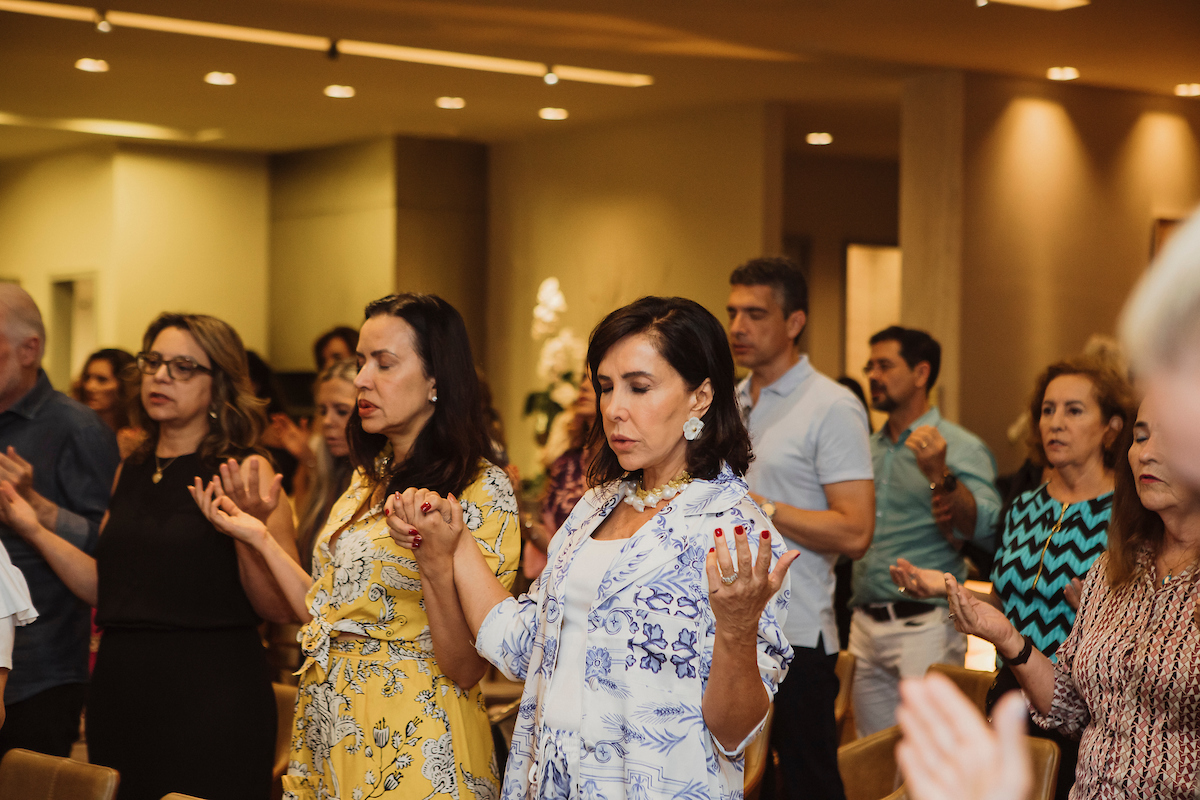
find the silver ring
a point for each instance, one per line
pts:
(952, 617)
(728, 579)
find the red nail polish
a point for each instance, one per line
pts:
(712, 549)
(416, 542)
(426, 508)
(739, 530)
(766, 534)
(413, 532)
(719, 532)
(387, 512)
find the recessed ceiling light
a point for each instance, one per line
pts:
(550, 78)
(819, 138)
(1062, 73)
(92, 65)
(553, 113)
(337, 90)
(981, 3)
(221, 78)
(450, 102)
(104, 26)
(1188, 89)
(1045, 5)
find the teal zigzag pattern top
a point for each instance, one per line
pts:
(1040, 611)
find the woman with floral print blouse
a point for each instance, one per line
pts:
(1128, 676)
(387, 709)
(651, 645)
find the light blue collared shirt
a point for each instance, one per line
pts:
(904, 526)
(808, 431)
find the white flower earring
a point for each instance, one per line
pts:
(692, 428)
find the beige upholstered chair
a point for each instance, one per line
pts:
(758, 758)
(25, 775)
(1044, 755)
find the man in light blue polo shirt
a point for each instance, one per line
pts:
(812, 476)
(934, 489)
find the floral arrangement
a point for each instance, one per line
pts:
(560, 362)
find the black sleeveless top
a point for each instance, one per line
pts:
(161, 564)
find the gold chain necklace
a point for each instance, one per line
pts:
(159, 467)
(1055, 529)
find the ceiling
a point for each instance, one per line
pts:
(837, 65)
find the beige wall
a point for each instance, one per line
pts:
(831, 202)
(333, 243)
(1063, 184)
(157, 228)
(658, 206)
(189, 234)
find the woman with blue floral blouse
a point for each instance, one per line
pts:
(651, 645)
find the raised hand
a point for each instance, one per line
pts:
(225, 515)
(245, 488)
(949, 752)
(929, 447)
(920, 584)
(739, 592)
(1073, 593)
(15, 511)
(973, 616)
(16, 471)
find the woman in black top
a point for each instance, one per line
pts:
(181, 698)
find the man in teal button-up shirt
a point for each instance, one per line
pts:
(933, 491)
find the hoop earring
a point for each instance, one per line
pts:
(692, 428)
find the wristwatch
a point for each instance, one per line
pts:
(768, 508)
(948, 485)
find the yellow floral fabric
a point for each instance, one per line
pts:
(376, 717)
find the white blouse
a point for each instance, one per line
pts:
(563, 708)
(15, 606)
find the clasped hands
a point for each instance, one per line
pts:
(426, 523)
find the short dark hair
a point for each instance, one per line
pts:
(781, 274)
(915, 346)
(693, 342)
(448, 452)
(343, 332)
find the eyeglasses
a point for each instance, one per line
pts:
(180, 368)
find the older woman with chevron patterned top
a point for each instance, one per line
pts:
(1127, 678)
(1053, 534)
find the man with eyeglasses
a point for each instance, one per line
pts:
(934, 490)
(61, 458)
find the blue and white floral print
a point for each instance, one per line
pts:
(650, 642)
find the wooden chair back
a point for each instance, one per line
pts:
(26, 775)
(843, 707)
(973, 683)
(868, 765)
(758, 759)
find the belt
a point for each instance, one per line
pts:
(882, 612)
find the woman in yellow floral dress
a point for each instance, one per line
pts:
(385, 709)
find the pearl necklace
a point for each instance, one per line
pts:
(641, 499)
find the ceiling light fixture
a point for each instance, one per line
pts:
(339, 91)
(221, 78)
(605, 76)
(92, 65)
(553, 113)
(450, 102)
(324, 44)
(1188, 89)
(102, 24)
(981, 3)
(819, 138)
(550, 78)
(1044, 5)
(1062, 73)
(113, 127)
